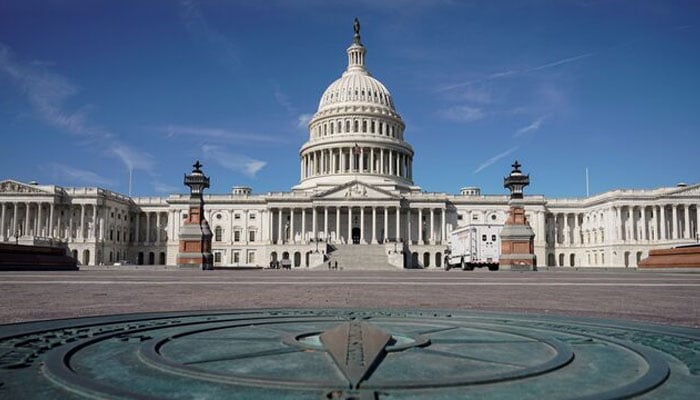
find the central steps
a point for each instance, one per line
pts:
(355, 257)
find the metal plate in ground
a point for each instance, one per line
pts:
(363, 354)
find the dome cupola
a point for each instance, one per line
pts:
(356, 133)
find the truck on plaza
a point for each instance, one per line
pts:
(474, 246)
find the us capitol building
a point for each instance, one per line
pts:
(355, 204)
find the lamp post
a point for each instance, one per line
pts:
(195, 236)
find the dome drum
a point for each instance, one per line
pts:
(356, 132)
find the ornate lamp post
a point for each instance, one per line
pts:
(517, 237)
(195, 235)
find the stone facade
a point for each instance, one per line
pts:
(356, 189)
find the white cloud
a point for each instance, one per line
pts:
(77, 175)
(303, 120)
(161, 187)
(533, 127)
(217, 134)
(283, 100)
(46, 93)
(493, 159)
(234, 162)
(462, 113)
(198, 26)
(133, 159)
(509, 73)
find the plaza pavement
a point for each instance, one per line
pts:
(666, 297)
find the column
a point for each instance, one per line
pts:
(645, 235)
(391, 166)
(332, 153)
(70, 222)
(664, 229)
(697, 222)
(138, 227)
(314, 222)
(325, 223)
(420, 226)
(303, 225)
(371, 163)
(38, 219)
(292, 236)
(408, 225)
(51, 217)
(361, 167)
(337, 224)
(341, 155)
(386, 223)
(655, 228)
(158, 227)
(148, 227)
(566, 230)
(674, 222)
(374, 225)
(2, 222)
(280, 238)
(381, 164)
(82, 222)
(59, 227)
(443, 222)
(349, 239)
(686, 224)
(397, 169)
(93, 231)
(26, 220)
(431, 231)
(14, 218)
(541, 229)
(398, 223)
(362, 225)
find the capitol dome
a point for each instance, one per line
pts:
(356, 133)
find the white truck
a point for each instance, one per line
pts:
(476, 245)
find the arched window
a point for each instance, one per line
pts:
(357, 126)
(371, 127)
(364, 126)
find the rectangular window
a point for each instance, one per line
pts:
(237, 236)
(251, 236)
(251, 216)
(251, 257)
(217, 257)
(460, 217)
(236, 257)
(483, 238)
(236, 216)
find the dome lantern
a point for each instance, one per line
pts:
(356, 51)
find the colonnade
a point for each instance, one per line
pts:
(360, 224)
(626, 223)
(47, 220)
(82, 222)
(362, 160)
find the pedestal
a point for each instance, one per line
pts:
(517, 242)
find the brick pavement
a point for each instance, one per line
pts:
(660, 297)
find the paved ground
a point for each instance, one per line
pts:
(662, 297)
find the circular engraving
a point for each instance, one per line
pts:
(346, 354)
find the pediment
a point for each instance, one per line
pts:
(693, 190)
(11, 186)
(355, 190)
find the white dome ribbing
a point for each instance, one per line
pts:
(356, 132)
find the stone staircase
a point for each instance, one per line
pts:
(354, 257)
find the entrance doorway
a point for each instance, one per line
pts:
(355, 235)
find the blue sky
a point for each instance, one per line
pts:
(91, 89)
